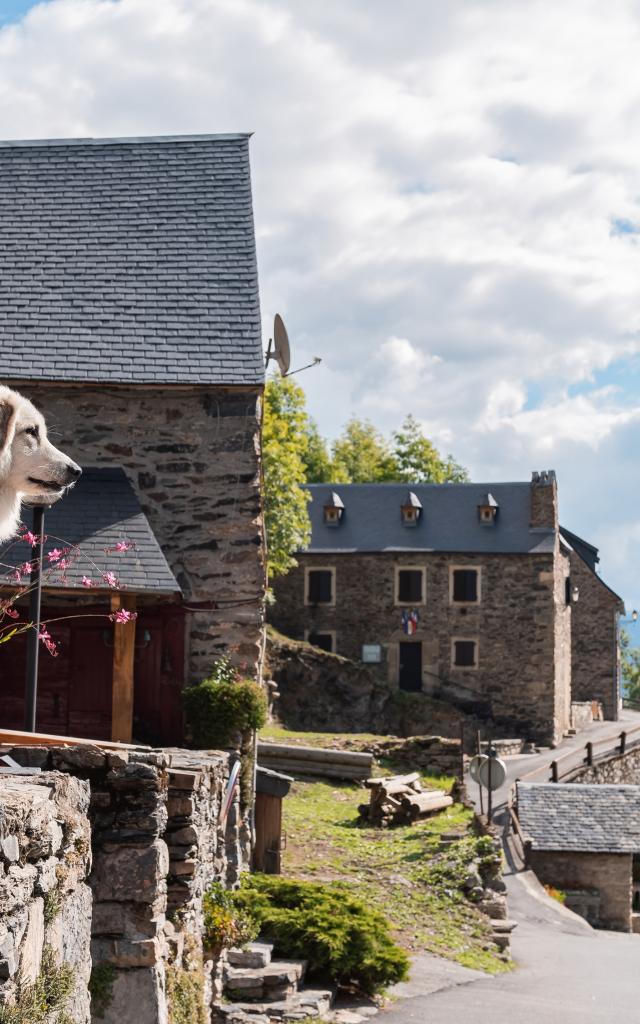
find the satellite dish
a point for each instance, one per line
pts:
(281, 350)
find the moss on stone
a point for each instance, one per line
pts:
(101, 988)
(43, 1002)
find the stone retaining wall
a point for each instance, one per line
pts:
(621, 769)
(153, 818)
(45, 902)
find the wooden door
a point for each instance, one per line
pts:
(159, 676)
(410, 673)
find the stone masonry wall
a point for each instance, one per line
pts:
(192, 456)
(45, 903)
(523, 674)
(594, 641)
(157, 844)
(608, 873)
(620, 769)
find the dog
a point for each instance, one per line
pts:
(31, 469)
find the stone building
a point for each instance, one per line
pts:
(585, 841)
(129, 314)
(460, 591)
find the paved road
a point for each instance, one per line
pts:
(567, 973)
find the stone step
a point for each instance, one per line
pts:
(307, 1002)
(277, 981)
(256, 954)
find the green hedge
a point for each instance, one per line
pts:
(222, 706)
(342, 938)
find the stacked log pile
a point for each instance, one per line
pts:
(332, 764)
(400, 800)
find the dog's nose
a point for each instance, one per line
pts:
(74, 472)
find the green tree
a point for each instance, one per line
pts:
(361, 455)
(417, 460)
(317, 460)
(284, 449)
(630, 665)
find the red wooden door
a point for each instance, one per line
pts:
(159, 676)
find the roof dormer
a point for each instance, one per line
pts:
(488, 510)
(411, 509)
(333, 510)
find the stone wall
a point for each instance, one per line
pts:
(594, 640)
(45, 902)
(609, 874)
(192, 456)
(157, 844)
(521, 624)
(619, 769)
(324, 692)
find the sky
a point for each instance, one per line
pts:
(447, 203)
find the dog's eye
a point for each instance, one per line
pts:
(32, 432)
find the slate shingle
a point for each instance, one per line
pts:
(449, 521)
(129, 261)
(99, 511)
(589, 818)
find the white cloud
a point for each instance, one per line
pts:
(436, 195)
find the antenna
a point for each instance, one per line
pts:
(279, 349)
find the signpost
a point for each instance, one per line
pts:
(490, 773)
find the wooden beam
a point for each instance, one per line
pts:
(124, 635)
(19, 738)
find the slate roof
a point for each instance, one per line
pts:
(372, 519)
(590, 818)
(99, 511)
(129, 260)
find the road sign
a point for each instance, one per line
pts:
(492, 776)
(474, 765)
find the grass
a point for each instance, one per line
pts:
(342, 740)
(388, 867)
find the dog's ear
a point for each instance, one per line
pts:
(8, 414)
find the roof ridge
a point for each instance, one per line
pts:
(126, 140)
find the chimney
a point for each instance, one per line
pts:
(544, 500)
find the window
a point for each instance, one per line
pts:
(465, 653)
(465, 586)
(320, 586)
(410, 586)
(325, 641)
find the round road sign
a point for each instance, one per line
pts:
(474, 765)
(498, 773)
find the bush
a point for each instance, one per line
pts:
(222, 706)
(342, 938)
(225, 925)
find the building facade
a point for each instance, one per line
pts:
(129, 314)
(460, 591)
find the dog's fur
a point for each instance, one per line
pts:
(31, 469)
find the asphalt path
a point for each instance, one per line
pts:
(566, 973)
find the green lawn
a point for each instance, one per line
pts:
(402, 871)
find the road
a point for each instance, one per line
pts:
(567, 973)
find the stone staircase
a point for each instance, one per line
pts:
(260, 990)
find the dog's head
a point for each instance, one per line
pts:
(29, 463)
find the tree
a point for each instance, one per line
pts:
(630, 665)
(362, 456)
(284, 449)
(317, 461)
(418, 461)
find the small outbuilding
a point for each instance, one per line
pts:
(585, 841)
(271, 789)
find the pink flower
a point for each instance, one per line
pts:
(123, 616)
(12, 613)
(26, 568)
(31, 538)
(110, 578)
(63, 563)
(87, 582)
(15, 575)
(48, 642)
(54, 555)
(123, 545)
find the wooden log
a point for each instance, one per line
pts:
(315, 770)
(292, 752)
(424, 803)
(406, 780)
(396, 788)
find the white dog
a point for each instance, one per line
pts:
(31, 469)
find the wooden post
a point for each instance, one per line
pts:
(554, 771)
(589, 749)
(124, 635)
(623, 741)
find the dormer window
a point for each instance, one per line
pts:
(411, 509)
(333, 510)
(488, 510)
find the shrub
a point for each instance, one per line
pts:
(341, 937)
(222, 706)
(43, 1002)
(225, 925)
